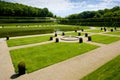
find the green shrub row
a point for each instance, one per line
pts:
(33, 30)
(21, 32)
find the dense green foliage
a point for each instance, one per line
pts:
(109, 71)
(19, 13)
(15, 9)
(104, 39)
(114, 12)
(38, 57)
(23, 31)
(106, 17)
(31, 29)
(27, 40)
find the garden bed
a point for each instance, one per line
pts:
(39, 57)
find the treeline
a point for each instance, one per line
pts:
(114, 12)
(106, 17)
(108, 22)
(15, 9)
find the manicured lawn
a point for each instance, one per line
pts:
(28, 40)
(38, 57)
(109, 71)
(104, 39)
(114, 33)
(94, 31)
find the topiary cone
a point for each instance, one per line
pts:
(21, 68)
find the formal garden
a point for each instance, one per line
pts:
(37, 44)
(41, 56)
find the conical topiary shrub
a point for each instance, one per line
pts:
(55, 34)
(82, 30)
(51, 38)
(80, 40)
(115, 28)
(57, 40)
(21, 68)
(105, 29)
(75, 30)
(86, 34)
(79, 34)
(111, 30)
(7, 37)
(89, 38)
(63, 33)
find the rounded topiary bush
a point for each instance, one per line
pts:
(82, 30)
(80, 40)
(89, 38)
(55, 34)
(21, 68)
(105, 29)
(111, 30)
(75, 30)
(86, 34)
(57, 40)
(115, 28)
(7, 37)
(79, 34)
(51, 38)
(63, 34)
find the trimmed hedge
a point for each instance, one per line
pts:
(23, 31)
(21, 68)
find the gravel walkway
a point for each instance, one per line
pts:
(71, 69)
(6, 67)
(77, 67)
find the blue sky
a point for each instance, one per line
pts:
(66, 7)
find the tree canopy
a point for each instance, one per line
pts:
(15, 9)
(106, 17)
(114, 12)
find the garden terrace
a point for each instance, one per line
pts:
(104, 39)
(114, 33)
(27, 40)
(38, 57)
(109, 71)
(22, 29)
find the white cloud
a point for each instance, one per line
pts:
(66, 7)
(101, 5)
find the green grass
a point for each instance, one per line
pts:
(94, 31)
(114, 33)
(38, 57)
(104, 39)
(28, 40)
(109, 71)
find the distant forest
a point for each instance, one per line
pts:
(20, 10)
(114, 12)
(106, 17)
(19, 13)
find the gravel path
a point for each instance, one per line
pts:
(77, 67)
(71, 69)
(41, 43)
(6, 67)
